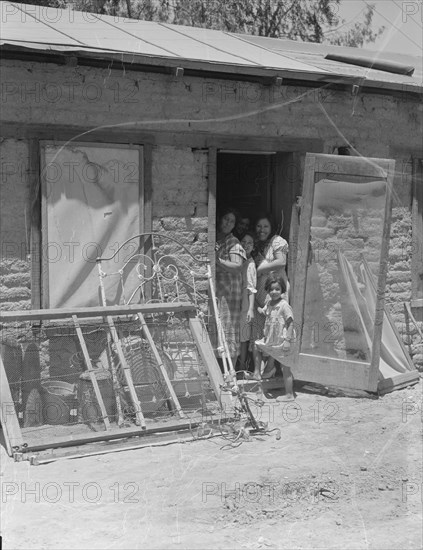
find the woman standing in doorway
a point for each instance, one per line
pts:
(229, 258)
(270, 256)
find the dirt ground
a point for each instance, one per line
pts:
(346, 473)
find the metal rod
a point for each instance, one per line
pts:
(162, 368)
(115, 379)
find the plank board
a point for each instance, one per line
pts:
(397, 382)
(91, 312)
(340, 165)
(37, 443)
(8, 418)
(349, 374)
(381, 282)
(201, 338)
(92, 372)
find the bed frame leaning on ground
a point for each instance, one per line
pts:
(139, 364)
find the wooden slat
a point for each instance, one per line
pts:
(5, 432)
(126, 372)
(141, 193)
(417, 217)
(91, 372)
(71, 440)
(45, 294)
(35, 217)
(201, 140)
(283, 189)
(349, 374)
(303, 248)
(146, 247)
(162, 368)
(265, 144)
(211, 207)
(397, 382)
(97, 311)
(8, 418)
(381, 282)
(204, 346)
(357, 166)
(293, 246)
(148, 189)
(106, 447)
(115, 381)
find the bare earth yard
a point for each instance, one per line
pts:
(346, 473)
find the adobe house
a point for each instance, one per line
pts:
(184, 120)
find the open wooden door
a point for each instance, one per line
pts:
(345, 224)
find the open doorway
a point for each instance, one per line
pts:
(254, 182)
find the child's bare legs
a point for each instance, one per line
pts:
(258, 359)
(288, 381)
(269, 369)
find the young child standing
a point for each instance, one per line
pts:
(278, 332)
(249, 284)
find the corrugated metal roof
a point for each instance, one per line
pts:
(314, 54)
(41, 28)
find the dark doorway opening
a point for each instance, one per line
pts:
(244, 181)
(254, 182)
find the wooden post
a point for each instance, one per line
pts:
(9, 420)
(34, 212)
(126, 372)
(381, 282)
(211, 230)
(298, 299)
(91, 372)
(220, 332)
(417, 248)
(201, 338)
(147, 221)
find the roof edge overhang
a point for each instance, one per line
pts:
(65, 55)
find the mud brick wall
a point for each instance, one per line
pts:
(86, 98)
(15, 275)
(398, 289)
(179, 210)
(403, 242)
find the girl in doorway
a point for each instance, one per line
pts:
(270, 255)
(229, 258)
(249, 283)
(278, 331)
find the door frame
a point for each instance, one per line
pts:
(329, 370)
(41, 263)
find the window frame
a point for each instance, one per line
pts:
(417, 233)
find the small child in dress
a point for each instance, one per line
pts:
(278, 331)
(249, 284)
